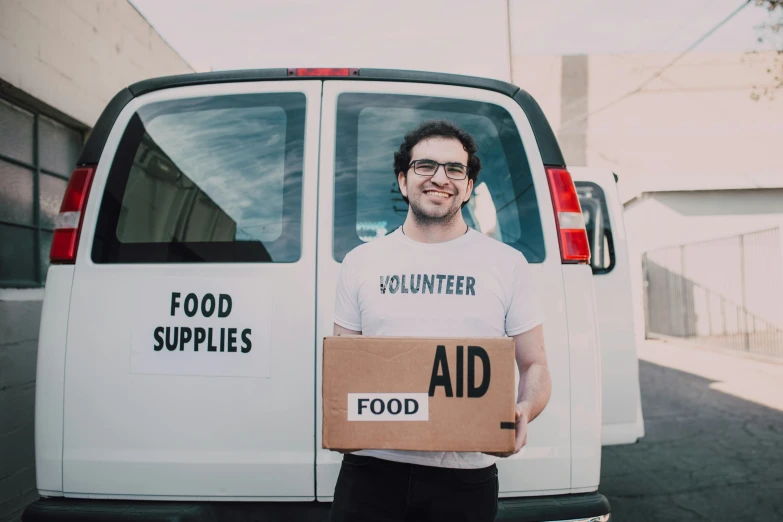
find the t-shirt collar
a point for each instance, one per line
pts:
(445, 245)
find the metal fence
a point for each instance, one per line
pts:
(726, 292)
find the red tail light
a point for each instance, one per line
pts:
(68, 225)
(323, 71)
(571, 231)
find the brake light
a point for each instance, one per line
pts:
(323, 71)
(68, 225)
(571, 231)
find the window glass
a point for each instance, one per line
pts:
(59, 146)
(16, 254)
(16, 194)
(57, 150)
(211, 179)
(52, 190)
(368, 203)
(16, 132)
(599, 229)
(46, 247)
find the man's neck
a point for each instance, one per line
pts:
(434, 232)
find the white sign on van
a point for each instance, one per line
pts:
(388, 407)
(195, 326)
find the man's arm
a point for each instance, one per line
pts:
(535, 385)
(339, 330)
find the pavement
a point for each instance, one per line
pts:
(713, 448)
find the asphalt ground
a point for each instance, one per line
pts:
(713, 448)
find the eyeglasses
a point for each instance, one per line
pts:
(427, 167)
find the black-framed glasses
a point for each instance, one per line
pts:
(427, 167)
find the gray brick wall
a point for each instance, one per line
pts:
(19, 322)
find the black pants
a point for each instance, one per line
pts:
(375, 490)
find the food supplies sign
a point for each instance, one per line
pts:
(199, 327)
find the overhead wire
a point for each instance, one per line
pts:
(658, 73)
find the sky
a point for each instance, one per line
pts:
(618, 26)
(404, 34)
(442, 35)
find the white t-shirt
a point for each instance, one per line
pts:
(472, 286)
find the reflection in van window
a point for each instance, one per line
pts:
(368, 203)
(220, 176)
(205, 167)
(483, 212)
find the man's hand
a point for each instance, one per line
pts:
(535, 385)
(520, 417)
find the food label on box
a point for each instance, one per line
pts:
(388, 407)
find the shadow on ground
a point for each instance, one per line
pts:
(706, 455)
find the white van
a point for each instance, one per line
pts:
(194, 268)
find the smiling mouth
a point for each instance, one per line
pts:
(437, 193)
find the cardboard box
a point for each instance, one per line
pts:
(418, 394)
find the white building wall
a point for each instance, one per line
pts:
(663, 220)
(542, 77)
(74, 55)
(694, 125)
(697, 120)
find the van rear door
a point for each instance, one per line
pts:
(363, 124)
(190, 365)
(622, 407)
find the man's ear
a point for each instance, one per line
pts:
(402, 182)
(469, 191)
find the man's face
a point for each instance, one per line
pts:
(436, 197)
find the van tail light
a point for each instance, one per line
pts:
(323, 71)
(571, 231)
(68, 225)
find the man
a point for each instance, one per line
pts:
(436, 169)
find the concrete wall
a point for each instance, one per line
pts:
(66, 58)
(667, 219)
(74, 55)
(574, 99)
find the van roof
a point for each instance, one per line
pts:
(547, 143)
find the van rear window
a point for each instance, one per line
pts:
(368, 203)
(215, 179)
(598, 226)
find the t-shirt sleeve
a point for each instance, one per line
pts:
(523, 312)
(346, 300)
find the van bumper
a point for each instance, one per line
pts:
(587, 507)
(583, 507)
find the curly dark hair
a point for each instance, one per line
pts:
(437, 129)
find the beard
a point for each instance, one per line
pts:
(431, 215)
